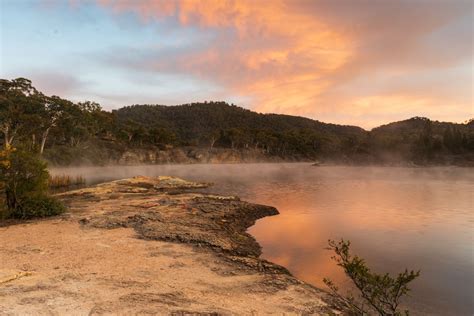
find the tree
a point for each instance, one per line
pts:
(213, 136)
(80, 122)
(17, 99)
(51, 111)
(234, 136)
(378, 292)
(161, 136)
(24, 179)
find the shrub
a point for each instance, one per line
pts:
(37, 206)
(378, 293)
(24, 179)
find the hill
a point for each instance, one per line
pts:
(423, 141)
(416, 140)
(76, 133)
(219, 124)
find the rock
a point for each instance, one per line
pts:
(163, 208)
(187, 155)
(149, 246)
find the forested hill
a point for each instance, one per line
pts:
(209, 116)
(421, 140)
(66, 132)
(203, 123)
(416, 140)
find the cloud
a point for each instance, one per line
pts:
(52, 82)
(308, 57)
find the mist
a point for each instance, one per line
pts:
(248, 173)
(396, 217)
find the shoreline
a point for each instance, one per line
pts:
(308, 162)
(171, 216)
(220, 155)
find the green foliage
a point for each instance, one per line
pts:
(24, 179)
(218, 124)
(69, 132)
(380, 293)
(423, 141)
(37, 206)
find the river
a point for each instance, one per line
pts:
(419, 218)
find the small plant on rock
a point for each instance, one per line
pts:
(379, 293)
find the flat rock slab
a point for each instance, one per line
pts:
(169, 209)
(147, 246)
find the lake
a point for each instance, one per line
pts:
(419, 218)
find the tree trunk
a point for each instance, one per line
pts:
(213, 141)
(43, 140)
(7, 135)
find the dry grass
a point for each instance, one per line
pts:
(64, 181)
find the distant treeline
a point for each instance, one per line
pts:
(63, 131)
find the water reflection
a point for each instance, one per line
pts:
(395, 217)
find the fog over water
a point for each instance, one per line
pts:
(420, 218)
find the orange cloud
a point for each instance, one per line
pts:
(306, 57)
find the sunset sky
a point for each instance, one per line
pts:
(361, 62)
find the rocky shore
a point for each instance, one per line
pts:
(94, 154)
(148, 246)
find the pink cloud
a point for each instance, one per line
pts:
(306, 57)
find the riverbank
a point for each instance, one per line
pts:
(148, 245)
(106, 153)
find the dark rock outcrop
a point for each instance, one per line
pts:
(169, 209)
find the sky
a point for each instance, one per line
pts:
(357, 62)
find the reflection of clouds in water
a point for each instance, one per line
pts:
(297, 241)
(395, 217)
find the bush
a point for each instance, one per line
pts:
(378, 293)
(39, 206)
(24, 179)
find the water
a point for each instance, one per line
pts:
(420, 218)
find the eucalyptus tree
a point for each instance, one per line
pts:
(18, 99)
(51, 110)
